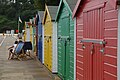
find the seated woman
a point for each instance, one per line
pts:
(12, 49)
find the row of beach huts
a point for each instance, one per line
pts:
(78, 39)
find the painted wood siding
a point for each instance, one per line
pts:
(93, 58)
(40, 41)
(31, 34)
(27, 32)
(48, 42)
(34, 39)
(110, 35)
(110, 26)
(65, 46)
(54, 48)
(71, 49)
(79, 50)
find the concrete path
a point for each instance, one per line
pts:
(20, 70)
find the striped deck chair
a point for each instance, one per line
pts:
(19, 50)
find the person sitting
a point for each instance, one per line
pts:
(12, 49)
(27, 48)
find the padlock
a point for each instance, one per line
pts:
(69, 38)
(102, 50)
(83, 46)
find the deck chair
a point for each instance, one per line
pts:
(18, 50)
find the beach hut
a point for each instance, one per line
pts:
(65, 39)
(50, 38)
(31, 31)
(27, 32)
(40, 36)
(24, 32)
(34, 39)
(97, 39)
(34, 35)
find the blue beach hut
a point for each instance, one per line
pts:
(40, 36)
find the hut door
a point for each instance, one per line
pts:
(63, 48)
(47, 50)
(93, 45)
(40, 41)
(48, 44)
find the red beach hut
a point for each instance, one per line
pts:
(97, 39)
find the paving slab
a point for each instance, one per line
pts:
(29, 69)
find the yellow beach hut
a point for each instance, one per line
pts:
(50, 38)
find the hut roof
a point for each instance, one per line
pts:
(53, 11)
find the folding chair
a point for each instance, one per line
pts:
(18, 51)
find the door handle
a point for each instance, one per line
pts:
(49, 37)
(92, 48)
(41, 36)
(83, 46)
(59, 37)
(45, 36)
(69, 38)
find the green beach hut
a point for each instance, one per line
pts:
(65, 34)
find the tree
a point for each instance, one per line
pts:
(10, 12)
(52, 2)
(39, 4)
(26, 9)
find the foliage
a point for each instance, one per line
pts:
(10, 11)
(5, 23)
(52, 2)
(39, 4)
(26, 9)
